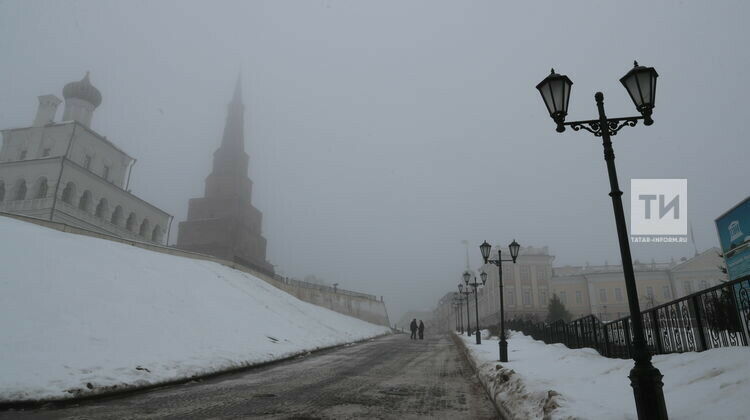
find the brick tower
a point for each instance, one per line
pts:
(224, 222)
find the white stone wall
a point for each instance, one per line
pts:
(53, 140)
(102, 153)
(148, 222)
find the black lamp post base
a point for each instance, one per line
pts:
(503, 350)
(479, 337)
(647, 389)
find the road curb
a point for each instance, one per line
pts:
(135, 389)
(501, 411)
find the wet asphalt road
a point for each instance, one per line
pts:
(390, 377)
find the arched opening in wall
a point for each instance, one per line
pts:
(85, 202)
(130, 224)
(145, 228)
(20, 190)
(157, 235)
(101, 208)
(41, 188)
(2, 191)
(69, 192)
(116, 216)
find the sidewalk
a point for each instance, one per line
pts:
(553, 381)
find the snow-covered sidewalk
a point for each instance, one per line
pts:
(80, 315)
(556, 382)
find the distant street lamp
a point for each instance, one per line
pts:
(475, 286)
(640, 82)
(485, 249)
(468, 316)
(458, 309)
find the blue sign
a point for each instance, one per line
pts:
(734, 237)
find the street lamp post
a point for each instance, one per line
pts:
(640, 82)
(475, 286)
(460, 312)
(455, 315)
(468, 316)
(485, 249)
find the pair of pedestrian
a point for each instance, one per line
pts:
(417, 328)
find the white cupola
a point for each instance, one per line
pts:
(81, 98)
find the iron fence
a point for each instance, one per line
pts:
(711, 318)
(322, 287)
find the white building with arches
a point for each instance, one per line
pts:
(66, 172)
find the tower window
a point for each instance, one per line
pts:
(87, 162)
(22, 156)
(105, 175)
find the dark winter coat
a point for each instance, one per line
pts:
(413, 325)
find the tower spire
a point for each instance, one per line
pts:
(237, 97)
(233, 140)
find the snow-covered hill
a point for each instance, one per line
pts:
(81, 315)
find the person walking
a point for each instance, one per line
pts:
(421, 330)
(413, 327)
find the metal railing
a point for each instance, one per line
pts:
(322, 287)
(715, 317)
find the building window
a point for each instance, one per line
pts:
(87, 162)
(68, 193)
(130, 223)
(85, 202)
(20, 190)
(41, 189)
(22, 156)
(145, 228)
(511, 295)
(542, 298)
(665, 291)
(2, 191)
(650, 292)
(508, 276)
(579, 297)
(602, 295)
(101, 208)
(157, 234)
(563, 298)
(541, 273)
(527, 297)
(116, 216)
(688, 286)
(105, 175)
(618, 294)
(525, 274)
(46, 152)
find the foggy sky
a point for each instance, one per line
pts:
(383, 133)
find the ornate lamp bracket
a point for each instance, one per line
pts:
(613, 125)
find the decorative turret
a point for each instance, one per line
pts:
(46, 111)
(81, 98)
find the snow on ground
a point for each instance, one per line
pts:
(710, 384)
(78, 311)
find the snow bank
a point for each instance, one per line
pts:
(556, 382)
(80, 315)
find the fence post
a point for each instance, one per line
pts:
(626, 333)
(699, 322)
(606, 341)
(593, 331)
(738, 312)
(657, 333)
